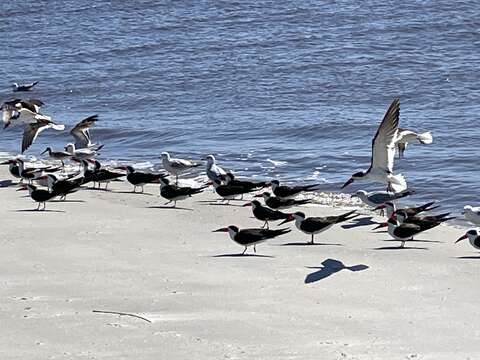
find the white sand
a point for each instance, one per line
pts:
(113, 251)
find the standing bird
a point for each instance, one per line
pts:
(137, 178)
(274, 202)
(412, 211)
(405, 136)
(251, 237)
(23, 87)
(249, 185)
(215, 172)
(39, 195)
(101, 175)
(83, 153)
(376, 198)
(265, 214)
(317, 225)
(57, 155)
(176, 166)
(402, 232)
(383, 153)
(286, 192)
(175, 193)
(81, 133)
(229, 192)
(13, 168)
(62, 187)
(425, 222)
(472, 214)
(473, 237)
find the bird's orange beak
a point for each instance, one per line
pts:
(288, 219)
(380, 207)
(247, 204)
(22, 188)
(462, 238)
(349, 181)
(382, 225)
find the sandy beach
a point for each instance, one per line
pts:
(123, 252)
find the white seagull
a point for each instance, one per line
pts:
(376, 198)
(405, 136)
(215, 172)
(472, 214)
(176, 166)
(80, 154)
(383, 153)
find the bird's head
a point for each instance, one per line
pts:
(210, 159)
(165, 155)
(298, 216)
(467, 208)
(361, 194)
(470, 235)
(70, 148)
(356, 176)
(232, 230)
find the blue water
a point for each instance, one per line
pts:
(273, 88)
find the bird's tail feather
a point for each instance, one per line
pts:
(425, 138)
(58, 127)
(347, 216)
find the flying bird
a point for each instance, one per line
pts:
(383, 154)
(24, 87)
(405, 136)
(81, 133)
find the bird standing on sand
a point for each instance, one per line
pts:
(176, 166)
(174, 193)
(383, 153)
(83, 153)
(137, 178)
(473, 237)
(411, 211)
(265, 214)
(215, 172)
(274, 202)
(57, 155)
(229, 192)
(472, 214)
(251, 237)
(246, 184)
(317, 225)
(286, 192)
(39, 195)
(376, 198)
(23, 87)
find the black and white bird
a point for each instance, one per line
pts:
(274, 202)
(214, 171)
(24, 87)
(317, 225)
(140, 179)
(13, 168)
(32, 130)
(57, 155)
(176, 166)
(63, 186)
(402, 232)
(266, 214)
(231, 180)
(39, 195)
(10, 109)
(174, 193)
(405, 136)
(31, 173)
(472, 214)
(83, 153)
(425, 222)
(229, 192)
(473, 237)
(287, 192)
(390, 208)
(81, 133)
(251, 237)
(376, 198)
(101, 175)
(383, 154)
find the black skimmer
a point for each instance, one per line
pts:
(32, 173)
(23, 87)
(175, 193)
(57, 155)
(251, 237)
(81, 133)
(265, 214)
(317, 225)
(383, 153)
(33, 129)
(425, 222)
(13, 168)
(376, 198)
(62, 187)
(405, 136)
(11, 109)
(274, 202)
(229, 192)
(286, 192)
(215, 172)
(472, 214)
(473, 237)
(83, 153)
(176, 166)
(137, 178)
(250, 185)
(101, 175)
(411, 211)
(402, 232)
(39, 195)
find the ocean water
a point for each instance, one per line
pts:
(285, 89)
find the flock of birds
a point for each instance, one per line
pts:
(47, 182)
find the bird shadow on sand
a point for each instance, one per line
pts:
(40, 211)
(104, 190)
(309, 244)
(329, 267)
(243, 255)
(400, 248)
(129, 192)
(6, 183)
(212, 203)
(168, 207)
(357, 222)
(415, 240)
(468, 257)
(67, 201)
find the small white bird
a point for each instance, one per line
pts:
(376, 198)
(383, 153)
(176, 166)
(80, 154)
(472, 214)
(405, 136)
(215, 172)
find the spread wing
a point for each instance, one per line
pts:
(81, 132)
(31, 132)
(383, 144)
